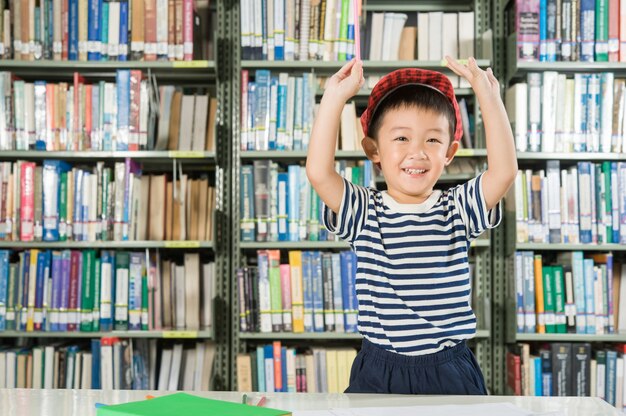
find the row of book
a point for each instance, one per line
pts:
(553, 113)
(570, 30)
(567, 369)
(100, 30)
(58, 202)
(278, 205)
(108, 363)
(277, 111)
(573, 294)
(60, 291)
(275, 368)
(585, 203)
(290, 30)
(122, 115)
(312, 292)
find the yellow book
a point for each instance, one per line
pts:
(343, 370)
(297, 293)
(331, 371)
(32, 290)
(541, 322)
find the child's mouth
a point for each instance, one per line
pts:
(415, 171)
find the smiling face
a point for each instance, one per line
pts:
(413, 146)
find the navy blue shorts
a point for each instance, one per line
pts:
(451, 371)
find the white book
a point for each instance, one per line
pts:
(11, 364)
(534, 111)
(162, 17)
(397, 24)
(144, 110)
(376, 43)
(593, 384)
(387, 47)
(57, 36)
(435, 42)
(164, 372)
(201, 111)
(348, 127)
(3, 369)
(37, 367)
(549, 111)
(186, 122)
(450, 41)
(593, 112)
(423, 31)
(621, 320)
(563, 119)
(166, 93)
(192, 290)
(179, 290)
(177, 358)
(85, 378)
(106, 367)
(199, 352)
(305, 19)
(269, 28)
(290, 30)
(516, 106)
(466, 40)
(189, 369)
(606, 108)
(114, 30)
(48, 378)
(208, 294)
(279, 25)
(29, 112)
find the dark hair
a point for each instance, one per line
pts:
(419, 96)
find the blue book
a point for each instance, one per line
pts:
(283, 368)
(307, 287)
(611, 376)
(104, 31)
(338, 284)
(269, 368)
(95, 364)
(587, 30)
(348, 279)
(94, 19)
(317, 279)
(123, 48)
(279, 36)
(307, 105)
(519, 291)
(123, 109)
(538, 378)
(293, 204)
(4, 284)
(43, 264)
(106, 290)
(260, 368)
(273, 114)
(530, 316)
(246, 209)
(281, 112)
(590, 277)
(298, 112)
(261, 111)
(615, 196)
(55, 304)
(283, 206)
(77, 229)
(543, 30)
(72, 52)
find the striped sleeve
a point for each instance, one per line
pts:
(470, 202)
(348, 222)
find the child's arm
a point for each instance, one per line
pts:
(320, 160)
(501, 156)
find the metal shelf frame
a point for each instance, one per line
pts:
(204, 335)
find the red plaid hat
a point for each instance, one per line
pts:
(411, 76)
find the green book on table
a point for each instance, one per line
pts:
(188, 405)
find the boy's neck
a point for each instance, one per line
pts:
(402, 198)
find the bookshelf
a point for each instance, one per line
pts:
(482, 259)
(191, 75)
(505, 300)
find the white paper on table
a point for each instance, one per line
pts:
(483, 409)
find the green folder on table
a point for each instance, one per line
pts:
(188, 405)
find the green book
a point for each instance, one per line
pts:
(549, 299)
(88, 290)
(188, 405)
(63, 208)
(559, 297)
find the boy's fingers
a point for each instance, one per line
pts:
(347, 68)
(457, 68)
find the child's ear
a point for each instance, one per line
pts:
(452, 149)
(371, 149)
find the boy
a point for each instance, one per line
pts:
(412, 241)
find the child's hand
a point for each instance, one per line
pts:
(482, 82)
(346, 82)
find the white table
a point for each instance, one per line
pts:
(30, 402)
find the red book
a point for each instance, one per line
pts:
(88, 114)
(64, 29)
(278, 367)
(76, 258)
(614, 30)
(188, 30)
(27, 208)
(514, 373)
(77, 135)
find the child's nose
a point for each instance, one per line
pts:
(416, 150)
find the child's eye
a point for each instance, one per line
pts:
(434, 140)
(401, 139)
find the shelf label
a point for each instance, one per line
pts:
(186, 154)
(182, 244)
(190, 64)
(465, 152)
(180, 334)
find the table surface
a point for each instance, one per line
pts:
(31, 402)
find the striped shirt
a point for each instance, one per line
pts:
(412, 280)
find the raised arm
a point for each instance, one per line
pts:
(501, 156)
(320, 160)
